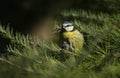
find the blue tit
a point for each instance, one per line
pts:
(70, 38)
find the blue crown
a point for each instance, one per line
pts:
(65, 23)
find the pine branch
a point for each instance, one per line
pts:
(12, 64)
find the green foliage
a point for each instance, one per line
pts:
(33, 58)
(109, 6)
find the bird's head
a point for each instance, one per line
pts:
(67, 26)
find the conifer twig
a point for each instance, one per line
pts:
(10, 63)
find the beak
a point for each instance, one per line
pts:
(63, 27)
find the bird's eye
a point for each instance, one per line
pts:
(66, 26)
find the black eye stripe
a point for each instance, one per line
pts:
(67, 25)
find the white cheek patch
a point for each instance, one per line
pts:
(70, 28)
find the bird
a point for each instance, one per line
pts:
(70, 38)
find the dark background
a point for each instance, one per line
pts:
(21, 15)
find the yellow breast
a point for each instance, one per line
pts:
(76, 38)
(71, 34)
